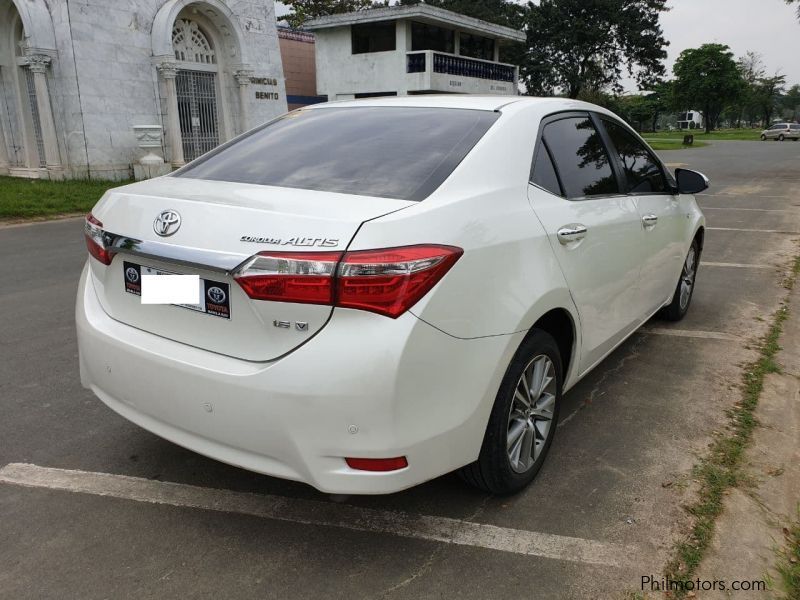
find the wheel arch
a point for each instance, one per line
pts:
(700, 237)
(561, 325)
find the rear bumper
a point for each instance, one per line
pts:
(365, 386)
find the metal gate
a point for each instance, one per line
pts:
(197, 110)
(37, 124)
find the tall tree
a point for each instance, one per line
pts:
(301, 11)
(706, 78)
(583, 44)
(751, 69)
(791, 102)
(766, 94)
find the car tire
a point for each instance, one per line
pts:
(505, 467)
(763, 138)
(781, 138)
(682, 299)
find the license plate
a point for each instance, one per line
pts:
(214, 295)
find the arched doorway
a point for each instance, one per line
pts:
(199, 52)
(21, 126)
(28, 138)
(196, 83)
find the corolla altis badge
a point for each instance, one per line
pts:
(292, 241)
(167, 222)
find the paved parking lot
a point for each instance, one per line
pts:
(93, 507)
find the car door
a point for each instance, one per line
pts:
(594, 229)
(663, 221)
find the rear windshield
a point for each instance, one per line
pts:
(391, 152)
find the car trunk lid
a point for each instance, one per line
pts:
(221, 226)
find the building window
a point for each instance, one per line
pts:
(190, 44)
(374, 37)
(431, 37)
(476, 46)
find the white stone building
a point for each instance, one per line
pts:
(76, 77)
(415, 49)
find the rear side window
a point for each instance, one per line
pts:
(795, 127)
(544, 174)
(580, 158)
(643, 174)
(390, 152)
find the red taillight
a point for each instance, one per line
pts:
(94, 240)
(391, 281)
(303, 277)
(387, 281)
(377, 464)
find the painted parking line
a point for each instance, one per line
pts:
(313, 512)
(753, 230)
(691, 333)
(725, 265)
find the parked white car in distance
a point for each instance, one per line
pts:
(781, 132)
(390, 289)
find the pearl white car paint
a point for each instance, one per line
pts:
(292, 403)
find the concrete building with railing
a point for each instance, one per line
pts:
(417, 49)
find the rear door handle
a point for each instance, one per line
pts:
(650, 221)
(571, 233)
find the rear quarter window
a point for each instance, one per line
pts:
(390, 152)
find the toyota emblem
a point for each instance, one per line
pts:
(216, 295)
(167, 222)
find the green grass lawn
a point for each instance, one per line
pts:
(665, 144)
(750, 135)
(31, 198)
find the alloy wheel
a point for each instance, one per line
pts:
(531, 415)
(687, 278)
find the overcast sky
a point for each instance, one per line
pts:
(769, 27)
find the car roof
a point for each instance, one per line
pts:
(466, 101)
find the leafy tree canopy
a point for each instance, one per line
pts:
(576, 45)
(708, 79)
(791, 102)
(766, 94)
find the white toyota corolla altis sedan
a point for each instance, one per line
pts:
(389, 289)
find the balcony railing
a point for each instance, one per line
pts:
(460, 65)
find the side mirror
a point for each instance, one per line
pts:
(690, 182)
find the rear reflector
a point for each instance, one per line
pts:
(377, 464)
(94, 240)
(387, 281)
